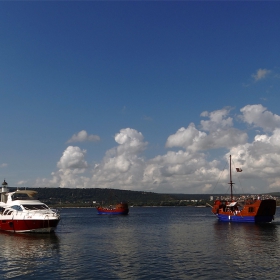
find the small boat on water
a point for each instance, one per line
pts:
(119, 209)
(22, 212)
(246, 209)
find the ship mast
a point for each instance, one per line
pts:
(230, 179)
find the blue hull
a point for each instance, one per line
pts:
(111, 213)
(245, 219)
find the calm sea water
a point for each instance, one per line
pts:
(149, 243)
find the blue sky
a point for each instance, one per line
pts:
(150, 95)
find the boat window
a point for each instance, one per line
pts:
(35, 206)
(251, 209)
(7, 212)
(21, 196)
(16, 207)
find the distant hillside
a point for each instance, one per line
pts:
(69, 197)
(94, 196)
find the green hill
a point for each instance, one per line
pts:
(91, 197)
(69, 197)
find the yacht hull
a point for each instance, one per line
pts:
(21, 226)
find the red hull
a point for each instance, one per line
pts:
(254, 211)
(21, 211)
(120, 209)
(28, 225)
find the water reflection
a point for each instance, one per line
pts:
(249, 248)
(124, 251)
(162, 244)
(244, 233)
(23, 254)
(149, 243)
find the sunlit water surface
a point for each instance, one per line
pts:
(149, 243)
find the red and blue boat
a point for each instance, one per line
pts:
(246, 209)
(119, 209)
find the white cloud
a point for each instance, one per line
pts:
(73, 159)
(83, 136)
(122, 165)
(23, 182)
(189, 169)
(220, 133)
(130, 141)
(180, 172)
(3, 165)
(217, 120)
(186, 137)
(260, 160)
(258, 116)
(71, 167)
(261, 74)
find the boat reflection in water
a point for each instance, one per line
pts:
(26, 254)
(243, 243)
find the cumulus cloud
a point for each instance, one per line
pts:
(83, 136)
(130, 140)
(73, 159)
(221, 134)
(122, 165)
(261, 74)
(3, 165)
(195, 163)
(217, 120)
(181, 172)
(260, 159)
(186, 137)
(258, 116)
(71, 167)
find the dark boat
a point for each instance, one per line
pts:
(119, 209)
(253, 209)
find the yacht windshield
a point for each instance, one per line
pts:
(35, 206)
(16, 207)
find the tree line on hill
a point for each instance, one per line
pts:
(70, 197)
